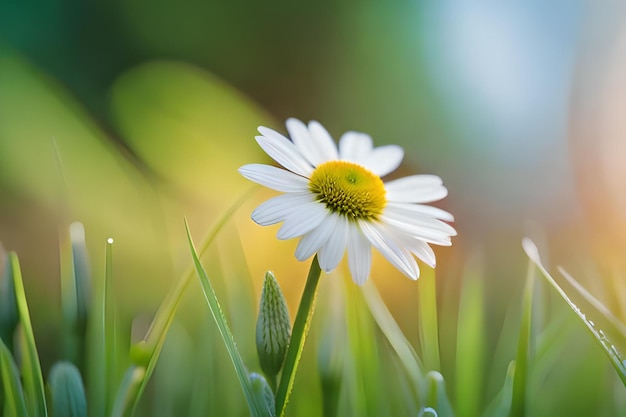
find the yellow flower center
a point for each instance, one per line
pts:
(349, 189)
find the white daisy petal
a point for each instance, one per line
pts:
(419, 248)
(423, 252)
(418, 220)
(398, 256)
(331, 252)
(313, 241)
(354, 146)
(410, 209)
(276, 209)
(416, 189)
(275, 178)
(305, 142)
(359, 255)
(302, 220)
(430, 235)
(383, 160)
(324, 142)
(283, 151)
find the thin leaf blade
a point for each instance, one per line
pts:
(14, 402)
(31, 368)
(256, 407)
(609, 350)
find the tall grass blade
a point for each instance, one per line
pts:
(108, 329)
(75, 294)
(31, 368)
(240, 296)
(520, 384)
(82, 277)
(257, 408)
(146, 352)
(617, 325)
(437, 399)
(67, 394)
(9, 316)
(396, 338)
(428, 322)
(616, 359)
(470, 346)
(102, 340)
(365, 389)
(124, 404)
(12, 393)
(501, 405)
(299, 333)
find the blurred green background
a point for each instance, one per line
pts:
(129, 115)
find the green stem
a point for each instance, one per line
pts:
(298, 336)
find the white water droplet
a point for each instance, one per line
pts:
(602, 335)
(428, 412)
(616, 352)
(591, 323)
(110, 241)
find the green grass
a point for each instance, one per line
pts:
(365, 364)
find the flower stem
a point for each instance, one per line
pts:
(298, 336)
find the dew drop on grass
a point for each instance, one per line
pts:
(616, 352)
(591, 323)
(110, 241)
(428, 412)
(602, 335)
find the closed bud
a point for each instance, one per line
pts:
(273, 327)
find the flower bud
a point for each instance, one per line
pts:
(273, 327)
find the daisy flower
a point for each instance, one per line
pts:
(334, 199)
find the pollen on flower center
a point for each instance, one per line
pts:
(349, 189)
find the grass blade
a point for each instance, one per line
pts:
(257, 408)
(145, 353)
(109, 327)
(67, 394)
(520, 384)
(31, 368)
(501, 405)
(610, 351)
(124, 404)
(428, 323)
(398, 341)
(103, 342)
(299, 333)
(363, 359)
(75, 294)
(617, 326)
(12, 393)
(470, 346)
(9, 316)
(437, 399)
